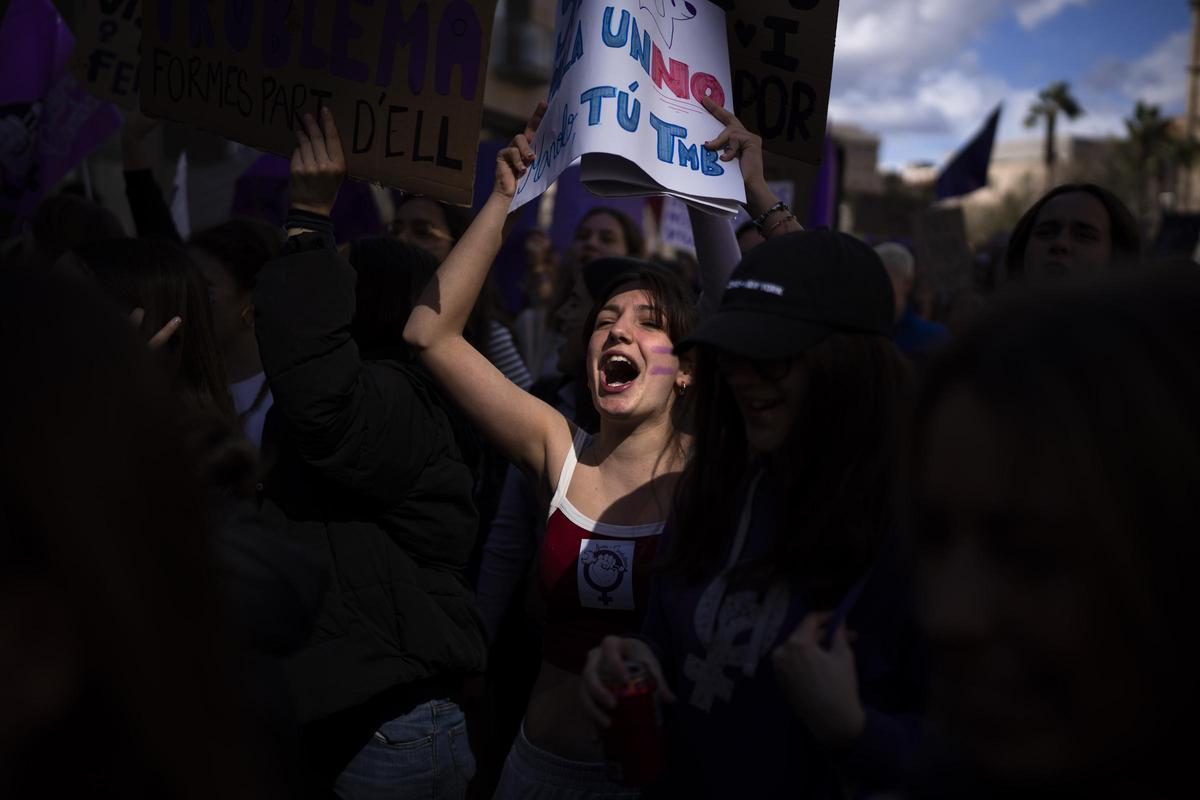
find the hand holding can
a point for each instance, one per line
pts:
(634, 744)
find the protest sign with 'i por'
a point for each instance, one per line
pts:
(781, 56)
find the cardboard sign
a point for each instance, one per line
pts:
(404, 79)
(626, 90)
(105, 60)
(781, 56)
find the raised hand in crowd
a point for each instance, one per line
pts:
(514, 161)
(605, 665)
(820, 682)
(135, 150)
(164, 334)
(318, 165)
(772, 217)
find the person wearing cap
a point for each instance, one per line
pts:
(778, 628)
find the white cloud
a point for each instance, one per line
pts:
(1159, 77)
(1034, 13)
(906, 69)
(894, 40)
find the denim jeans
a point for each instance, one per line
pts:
(531, 773)
(423, 755)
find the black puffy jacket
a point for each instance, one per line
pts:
(364, 466)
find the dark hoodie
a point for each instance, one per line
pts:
(366, 469)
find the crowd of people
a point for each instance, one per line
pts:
(284, 517)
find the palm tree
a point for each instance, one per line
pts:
(1149, 143)
(1055, 99)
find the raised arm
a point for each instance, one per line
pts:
(524, 428)
(363, 425)
(509, 549)
(151, 216)
(770, 216)
(717, 254)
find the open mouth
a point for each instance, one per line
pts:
(758, 406)
(617, 372)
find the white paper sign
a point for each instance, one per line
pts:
(676, 226)
(605, 574)
(627, 81)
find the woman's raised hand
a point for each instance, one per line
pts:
(606, 664)
(737, 142)
(513, 161)
(158, 340)
(318, 165)
(134, 148)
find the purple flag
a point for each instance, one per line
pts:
(822, 211)
(968, 170)
(48, 122)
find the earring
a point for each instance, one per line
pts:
(681, 389)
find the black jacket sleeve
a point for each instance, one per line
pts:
(362, 425)
(151, 216)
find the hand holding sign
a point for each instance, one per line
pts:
(513, 161)
(737, 142)
(318, 165)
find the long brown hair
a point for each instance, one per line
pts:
(1123, 227)
(834, 506)
(161, 278)
(103, 507)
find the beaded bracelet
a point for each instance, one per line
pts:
(760, 219)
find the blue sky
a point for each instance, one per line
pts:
(923, 74)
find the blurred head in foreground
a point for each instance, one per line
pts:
(109, 629)
(1055, 492)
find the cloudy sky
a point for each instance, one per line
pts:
(924, 74)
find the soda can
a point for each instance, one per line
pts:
(633, 745)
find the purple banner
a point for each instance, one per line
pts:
(48, 123)
(822, 211)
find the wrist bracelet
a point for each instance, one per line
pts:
(767, 232)
(317, 223)
(780, 206)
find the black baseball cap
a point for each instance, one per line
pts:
(793, 291)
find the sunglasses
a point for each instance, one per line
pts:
(769, 369)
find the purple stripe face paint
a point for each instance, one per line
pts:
(660, 349)
(662, 371)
